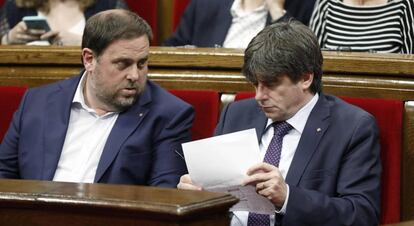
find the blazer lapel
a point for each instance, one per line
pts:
(126, 124)
(57, 120)
(316, 126)
(259, 122)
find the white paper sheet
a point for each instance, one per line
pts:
(221, 161)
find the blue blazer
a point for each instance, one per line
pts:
(334, 177)
(141, 148)
(205, 23)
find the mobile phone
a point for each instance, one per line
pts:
(36, 22)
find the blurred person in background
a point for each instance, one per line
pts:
(384, 26)
(66, 18)
(233, 23)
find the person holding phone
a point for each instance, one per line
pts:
(65, 18)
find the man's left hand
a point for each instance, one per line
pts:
(269, 182)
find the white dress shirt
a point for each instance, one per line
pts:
(85, 140)
(289, 144)
(244, 25)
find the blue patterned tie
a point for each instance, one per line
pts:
(272, 156)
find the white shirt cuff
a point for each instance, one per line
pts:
(283, 209)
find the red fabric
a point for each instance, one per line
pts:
(178, 10)
(206, 105)
(147, 9)
(388, 114)
(9, 101)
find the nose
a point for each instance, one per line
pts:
(135, 73)
(261, 92)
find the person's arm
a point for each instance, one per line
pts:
(276, 9)
(317, 21)
(9, 164)
(168, 164)
(408, 28)
(357, 199)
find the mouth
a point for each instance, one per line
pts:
(129, 91)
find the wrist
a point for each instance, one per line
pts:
(5, 39)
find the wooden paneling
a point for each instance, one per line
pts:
(25, 202)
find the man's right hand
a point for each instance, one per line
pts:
(187, 184)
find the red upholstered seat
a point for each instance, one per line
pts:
(147, 9)
(206, 105)
(9, 101)
(388, 114)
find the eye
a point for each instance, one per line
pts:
(142, 63)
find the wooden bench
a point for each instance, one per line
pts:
(384, 76)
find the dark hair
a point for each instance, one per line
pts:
(107, 26)
(284, 48)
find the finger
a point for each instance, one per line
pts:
(255, 179)
(187, 184)
(26, 37)
(35, 32)
(49, 35)
(260, 167)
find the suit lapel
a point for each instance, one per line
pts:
(57, 120)
(125, 125)
(316, 126)
(259, 122)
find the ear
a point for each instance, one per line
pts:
(306, 81)
(88, 59)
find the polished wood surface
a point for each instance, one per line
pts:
(25, 202)
(405, 223)
(218, 69)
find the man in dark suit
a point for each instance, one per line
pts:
(206, 23)
(107, 125)
(328, 168)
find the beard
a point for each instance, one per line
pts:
(119, 98)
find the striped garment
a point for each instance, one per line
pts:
(386, 28)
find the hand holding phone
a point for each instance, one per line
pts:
(36, 23)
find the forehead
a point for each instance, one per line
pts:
(127, 48)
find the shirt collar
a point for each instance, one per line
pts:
(236, 9)
(298, 121)
(79, 98)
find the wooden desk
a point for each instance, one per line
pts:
(405, 223)
(52, 203)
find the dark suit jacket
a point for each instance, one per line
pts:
(334, 177)
(205, 23)
(140, 148)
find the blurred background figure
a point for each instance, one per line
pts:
(233, 23)
(66, 18)
(384, 26)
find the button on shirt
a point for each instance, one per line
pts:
(85, 140)
(245, 25)
(289, 145)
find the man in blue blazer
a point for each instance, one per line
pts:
(206, 23)
(328, 171)
(107, 125)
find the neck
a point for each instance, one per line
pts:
(250, 5)
(365, 2)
